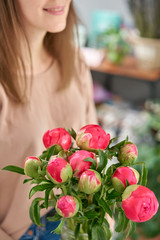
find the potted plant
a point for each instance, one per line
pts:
(146, 41)
(116, 45)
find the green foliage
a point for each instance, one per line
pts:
(146, 17)
(116, 45)
(15, 169)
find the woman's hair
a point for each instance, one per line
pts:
(60, 45)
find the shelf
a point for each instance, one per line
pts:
(129, 68)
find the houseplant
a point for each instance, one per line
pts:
(116, 45)
(89, 189)
(146, 41)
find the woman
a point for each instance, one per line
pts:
(44, 84)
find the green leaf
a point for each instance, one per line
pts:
(113, 195)
(40, 188)
(54, 218)
(144, 175)
(80, 218)
(132, 228)
(107, 229)
(111, 169)
(102, 160)
(104, 205)
(77, 229)
(15, 169)
(53, 150)
(112, 140)
(90, 207)
(94, 164)
(121, 220)
(91, 214)
(58, 230)
(127, 183)
(120, 144)
(27, 180)
(34, 211)
(98, 233)
(47, 193)
(72, 133)
(126, 222)
(43, 155)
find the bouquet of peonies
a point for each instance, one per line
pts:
(89, 189)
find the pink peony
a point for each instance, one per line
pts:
(128, 153)
(67, 206)
(90, 181)
(57, 136)
(121, 175)
(92, 137)
(139, 203)
(58, 170)
(77, 162)
(31, 166)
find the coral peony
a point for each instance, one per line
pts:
(128, 153)
(77, 162)
(92, 137)
(139, 203)
(57, 136)
(67, 206)
(31, 166)
(90, 181)
(121, 175)
(59, 170)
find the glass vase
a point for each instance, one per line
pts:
(68, 232)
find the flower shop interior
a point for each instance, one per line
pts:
(120, 42)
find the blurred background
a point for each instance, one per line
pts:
(120, 42)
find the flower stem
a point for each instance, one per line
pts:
(64, 189)
(138, 163)
(90, 199)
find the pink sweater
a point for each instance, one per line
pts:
(21, 131)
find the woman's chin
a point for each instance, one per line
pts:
(58, 28)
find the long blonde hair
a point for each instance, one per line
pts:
(59, 45)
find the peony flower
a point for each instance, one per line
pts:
(67, 206)
(59, 170)
(31, 166)
(139, 203)
(128, 153)
(92, 137)
(121, 175)
(77, 162)
(57, 136)
(89, 181)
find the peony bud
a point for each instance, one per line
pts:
(31, 166)
(67, 206)
(139, 203)
(90, 181)
(121, 175)
(128, 153)
(77, 162)
(57, 136)
(58, 170)
(92, 137)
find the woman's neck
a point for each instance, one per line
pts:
(39, 57)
